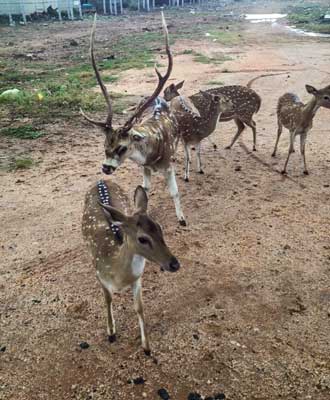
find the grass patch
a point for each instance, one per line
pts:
(309, 17)
(215, 83)
(202, 58)
(20, 163)
(22, 132)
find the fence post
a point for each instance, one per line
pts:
(115, 6)
(23, 11)
(104, 7)
(121, 6)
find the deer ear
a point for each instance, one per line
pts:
(140, 199)
(310, 89)
(179, 85)
(113, 215)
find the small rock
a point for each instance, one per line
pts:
(163, 394)
(195, 336)
(138, 381)
(36, 301)
(219, 396)
(84, 345)
(144, 395)
(3, 349)
(73, 42)
(326, 185)
(238, 168)
(286, 247)
(194, 396)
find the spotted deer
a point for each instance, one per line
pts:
(298, 117)
(150, 142)
(120, 240)
(245, 103)
(193, 127)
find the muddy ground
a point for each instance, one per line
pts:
(247, 315)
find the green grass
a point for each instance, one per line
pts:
(202, 58)
(215, 83)
(309, 17)
(20, 163)
(22, 132)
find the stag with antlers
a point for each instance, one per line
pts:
(149, 143)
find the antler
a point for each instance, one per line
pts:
(161, 82)
(108, 122)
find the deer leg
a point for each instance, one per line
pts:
(291, 150)
(302, 150)
(138, 306)
(279, 133)
(199, 161)
(252, 125)
(212, 143)
(173, 188)
(146, 178)
(240, 128)
(186, 162)
(111, 327)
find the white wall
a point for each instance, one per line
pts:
(30, 6)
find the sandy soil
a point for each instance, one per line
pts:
(248, 314)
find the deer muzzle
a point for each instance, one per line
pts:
(108, 169)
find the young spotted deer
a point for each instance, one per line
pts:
(245, 103)
(298, 117)
(193, 127)
(149, 143)
(119, 244)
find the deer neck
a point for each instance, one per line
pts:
(309, 111)
(156, 143)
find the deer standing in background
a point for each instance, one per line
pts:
(149, 143)
(298, 117)
(193, 128)
(120, 243)
(245, 103)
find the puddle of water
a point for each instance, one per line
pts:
(272, 18)
(256, 18)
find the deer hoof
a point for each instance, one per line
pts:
(201, 172)
(186, 179)
(227, 147)
(273, 154)
(215, 147)
(283, 172)
(112, 338)
(254, 149)
(306, 172)
(147, 352)
(182, 222)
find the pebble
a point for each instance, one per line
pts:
(138, 381)
(163, 394)
(84, 345)
(194, 396)
(3, 349)
(238, 168)
(195, 336)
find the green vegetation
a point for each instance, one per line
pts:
(218, 59)
(309, 17)
(215, 83)
(20, 163)
(22, 132)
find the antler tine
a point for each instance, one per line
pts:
(98, 76)
(161, 81)
(108, 122)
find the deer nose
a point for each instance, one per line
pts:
(174, 265)
(107, 169)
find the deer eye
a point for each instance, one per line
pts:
(326, 98)
(145, 241)
(121, 150)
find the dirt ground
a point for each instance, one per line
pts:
(248, 314)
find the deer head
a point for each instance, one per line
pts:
(120, 142)
(144, 235)
(322, 96)
(172, 91)
(221, 103)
